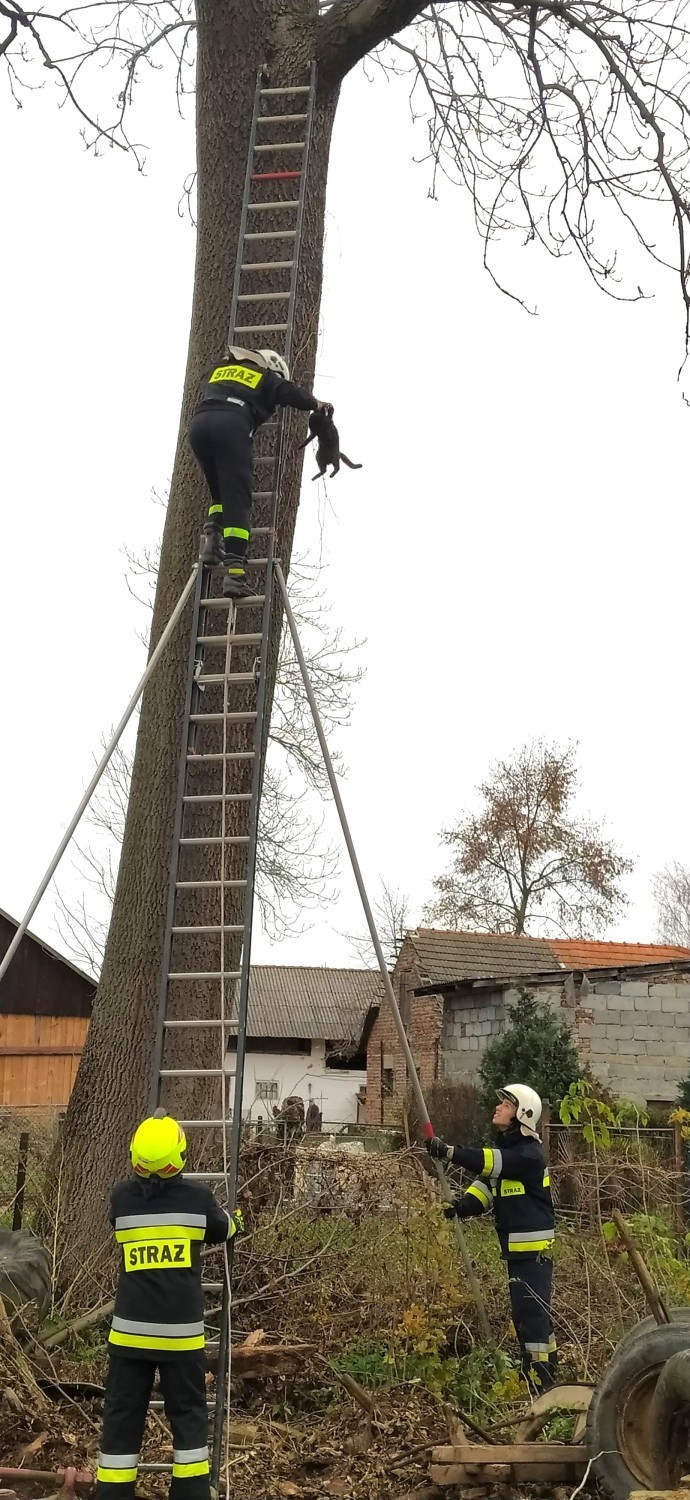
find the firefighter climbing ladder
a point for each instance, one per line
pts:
(204, 989)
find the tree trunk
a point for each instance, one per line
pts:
(234, 39)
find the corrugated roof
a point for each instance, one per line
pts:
(445, 956)
(449, 957)
(576, 953)
(329, 1005)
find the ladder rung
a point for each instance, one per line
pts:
(281, 119)
(262, 328)
(229, 838)
(220, 718)
(218, 797)
(268, 265)
(229, 927)
(207, 1286)
(192, 1073)
(222, 640)
(212, 679)
(250, 562)
(271, 234)
(219, 756)
(260, 208)
(216, 1022)
(264, 494)
(208, 974)
(281, 146)
(302, 88)
(157, 1405)
(252, 602)
(264, 297)
(193, 1124)
(263, 530)
(209, 885)
(274, 176)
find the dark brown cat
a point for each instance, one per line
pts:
(323, 428)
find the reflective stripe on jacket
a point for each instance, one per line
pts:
(513, 1179)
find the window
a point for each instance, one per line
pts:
(387, 1080)
(267, 1088)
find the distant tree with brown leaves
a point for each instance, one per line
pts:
(526, 860)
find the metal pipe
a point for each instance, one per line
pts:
(100, 768)
(385, 976)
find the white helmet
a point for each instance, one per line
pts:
(527, 1104)
(234, 351)
(275, 362)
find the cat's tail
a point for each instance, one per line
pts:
(345, 460)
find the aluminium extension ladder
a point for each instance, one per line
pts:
(204, 990)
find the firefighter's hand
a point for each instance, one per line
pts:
(325, 407)
(450, 1210)
(237, 1219)
(438, 1149)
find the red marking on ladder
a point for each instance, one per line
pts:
(428, 1131)
(273, 176)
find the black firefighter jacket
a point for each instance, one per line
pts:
(261, 391)
(513, 1179)
(160, 1227)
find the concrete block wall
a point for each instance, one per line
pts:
(638, 1040)
(469, 1024)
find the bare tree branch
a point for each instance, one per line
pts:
(671, 890)
(393, 914)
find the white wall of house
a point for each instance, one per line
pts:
(270, 1077)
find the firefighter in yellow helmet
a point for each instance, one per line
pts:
(161, 1219)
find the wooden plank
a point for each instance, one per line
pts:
(510, 1453)
(41, 1051)
(470, 1474)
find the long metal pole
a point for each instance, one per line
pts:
(100, 768)
(385, 976)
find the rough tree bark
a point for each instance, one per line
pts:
(234, 39)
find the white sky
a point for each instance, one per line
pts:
(514, 549)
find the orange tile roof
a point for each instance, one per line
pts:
(576, 953)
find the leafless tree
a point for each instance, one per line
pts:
(393, 916)
(525, 861)
(565, 119)
(557, 117)
(671, 888)
(295, 866)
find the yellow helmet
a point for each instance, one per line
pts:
(158, 1147)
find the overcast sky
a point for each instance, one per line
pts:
(517, 560)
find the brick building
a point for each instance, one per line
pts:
(628, 1005)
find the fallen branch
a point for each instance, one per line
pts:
(87, 1320)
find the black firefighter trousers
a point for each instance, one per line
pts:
(530, 1283)
(221, 441)
(127, 1394)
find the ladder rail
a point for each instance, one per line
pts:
(159, 1042)
(257, 786)
(256, 108)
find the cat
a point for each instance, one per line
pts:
(323, 428)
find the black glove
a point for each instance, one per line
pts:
(438, 1149)
(325, 407)
(452, 1210)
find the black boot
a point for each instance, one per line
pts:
(213, 548)
(235, 583)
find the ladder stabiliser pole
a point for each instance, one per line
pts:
(385, 976)
(100, 768)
